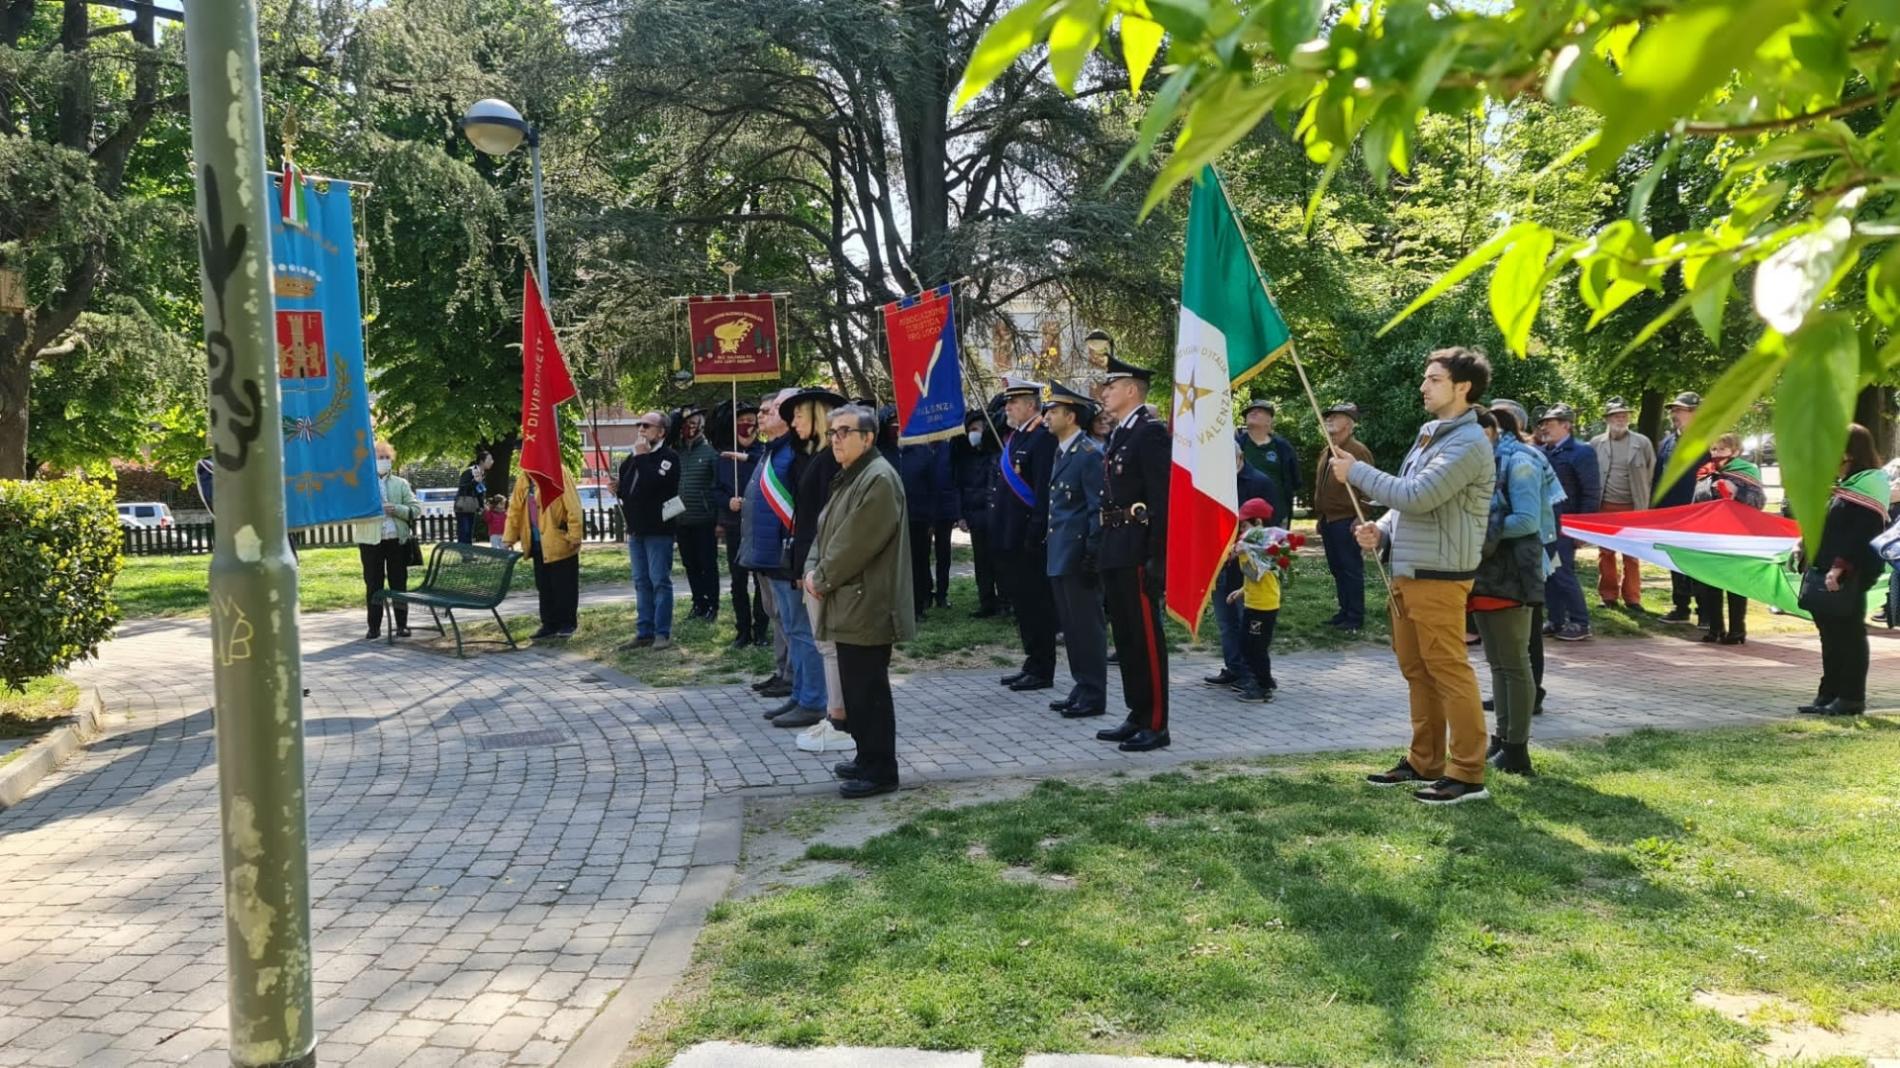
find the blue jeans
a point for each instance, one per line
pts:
(808, 668)
(1233, 629)
(465, 528)
(1563, 596)
(651, 556)
(1347, 561)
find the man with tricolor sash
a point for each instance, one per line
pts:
(1018, 526)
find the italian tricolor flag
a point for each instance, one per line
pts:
(1230, 332)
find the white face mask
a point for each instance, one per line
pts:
(976, 439)
(383, 466)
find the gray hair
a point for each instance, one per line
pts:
(865, 418)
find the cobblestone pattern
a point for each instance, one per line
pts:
(475, 903)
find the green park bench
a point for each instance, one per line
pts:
(459, 576)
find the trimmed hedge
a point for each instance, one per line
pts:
(59, 553)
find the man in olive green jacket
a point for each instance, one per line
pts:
(860, 574)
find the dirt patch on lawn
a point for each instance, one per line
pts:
(1791, 1036)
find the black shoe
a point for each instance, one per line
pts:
(1118, 734)
(1063, 705)
(740, 643)
(782, 709)
(564, 632)
(1573, 632)
(1710, 637)
(1609, 606)
(853, 789)
(1820, 701)
(1451, 792)
(846, 769)
(799, 718)
(375, 634)
(1144, 741)
(1031, 682)
(1224, 678)
(1077, 712)
(1843, 707)
(766, 683)
(1400, 774)
(1491, 706)
(1013, 679)
(1515, 759)
(782, 688)
(548, 632)
(1256, 695)
(1734, 638)
(1675, 615)
(1497, 746)
(942, 601)
(763, 641)
(637, 643)
(402, 632)
(1635, 607)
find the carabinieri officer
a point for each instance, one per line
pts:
(1075, 539)
(1134, 553)
(1018, 526)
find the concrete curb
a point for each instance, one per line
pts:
(670, 953)
(50, 750)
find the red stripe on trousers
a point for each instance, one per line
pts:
(1154, 659)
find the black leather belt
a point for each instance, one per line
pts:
(1135, 514)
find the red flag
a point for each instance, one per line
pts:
(544, 384)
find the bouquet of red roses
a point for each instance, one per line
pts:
(1264, 548)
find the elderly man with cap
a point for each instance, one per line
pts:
(1018, 489)
(1626, 463)
(1334, 511)
(1576, 467)
(1271, 455)
(1075, 538)
(1679, 492)
(1139, 461)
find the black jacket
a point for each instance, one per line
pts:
(726, 486)
(1139, 462)
(647, 481)
(1014, 522)
(811, 491)
(1846, 536)
(970, 470)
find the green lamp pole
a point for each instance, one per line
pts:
(256, 664)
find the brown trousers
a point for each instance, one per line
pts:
(1428, 635)
(1609, 590)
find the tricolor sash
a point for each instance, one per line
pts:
(777, 496)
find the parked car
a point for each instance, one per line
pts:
(437, 501)
(145, 514)
(597, 501)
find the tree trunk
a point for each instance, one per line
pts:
(1649, 417)
(921, 106)
(16, 376)
(1872, 411)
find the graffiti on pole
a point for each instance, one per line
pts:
(235, 405)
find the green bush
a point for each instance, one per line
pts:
(59, 552)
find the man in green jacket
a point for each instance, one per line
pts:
(860, 574)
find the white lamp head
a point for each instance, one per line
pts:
(495, 127)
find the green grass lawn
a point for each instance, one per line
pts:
(327, 579)
(1299, 917)
(34, 710)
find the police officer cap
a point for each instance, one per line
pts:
(1258, 406)
(1558, 411)
(1014, 387)
(1687, 399)
(1345, 408)
(828, 398)
(1080, 404)
(1118, 369)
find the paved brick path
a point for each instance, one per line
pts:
(494, 842)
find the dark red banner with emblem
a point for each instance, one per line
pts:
(735, 339)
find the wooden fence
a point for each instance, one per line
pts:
(602, 524)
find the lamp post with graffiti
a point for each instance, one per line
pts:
(256, 665)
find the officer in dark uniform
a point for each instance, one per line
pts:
(1018, 526)
(1134, 553)
(1075, 538)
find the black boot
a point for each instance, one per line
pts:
(1516, 759)
(1497, 746)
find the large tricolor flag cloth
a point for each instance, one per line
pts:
(544, 384)
(1723, 543)
(1230, 331)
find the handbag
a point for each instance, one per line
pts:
(412, 553)
(672, 509)
(1886, 544)
(1822, 603)
(468, 505)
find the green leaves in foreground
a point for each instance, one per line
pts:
(1797, 94)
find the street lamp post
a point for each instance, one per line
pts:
(495, 128)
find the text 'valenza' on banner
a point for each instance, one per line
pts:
(926, 365)
(329, 460)
(735, 338)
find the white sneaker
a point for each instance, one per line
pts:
(822, 737)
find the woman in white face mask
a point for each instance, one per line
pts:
(385, 543)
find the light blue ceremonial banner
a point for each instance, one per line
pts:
(329, 459)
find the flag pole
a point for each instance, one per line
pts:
(731, 270)
(1294, 351)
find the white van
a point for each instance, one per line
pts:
(436, 501)
(144, 514)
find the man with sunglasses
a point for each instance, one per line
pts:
(859, 574)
